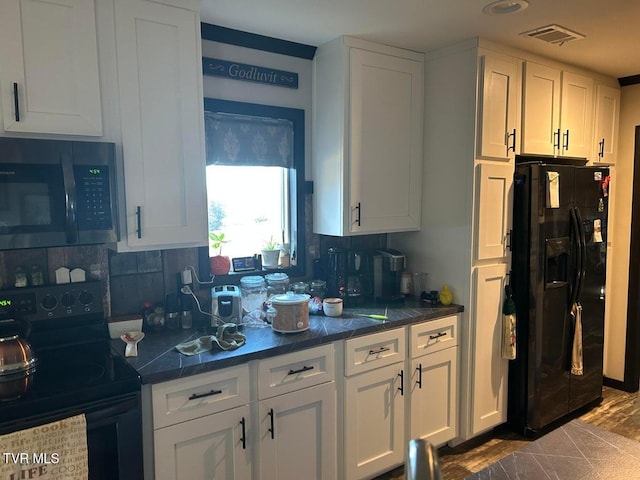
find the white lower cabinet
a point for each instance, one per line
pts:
(374, 422)
(434, 381)
(297, 434)
(297, 415)
(390, 396)
(286, 417)
(213, 447)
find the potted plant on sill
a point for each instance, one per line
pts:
(270, 253)
(220, 264)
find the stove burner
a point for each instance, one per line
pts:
(67, 377)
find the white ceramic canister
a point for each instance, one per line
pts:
(292, 312)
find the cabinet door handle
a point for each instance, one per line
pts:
(379, 350)
(358, 208)
(271, 428)
(601, 152)
(419, 382)
(511, 135)
(401, 387)
(509, 235)
(207, 394)
(437, 335)
(139, 221)
(303, 369)
(243, 438)
(16, 102)
(566, 140)
(556, 143)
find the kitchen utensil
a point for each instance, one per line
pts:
(131, 339)
(17, 360)
(372, 315)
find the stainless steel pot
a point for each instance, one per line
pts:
(17, 360)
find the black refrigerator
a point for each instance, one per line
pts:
(559, 247)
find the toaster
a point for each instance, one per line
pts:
(226, 303)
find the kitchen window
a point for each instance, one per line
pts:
(255, 179)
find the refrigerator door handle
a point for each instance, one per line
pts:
(583, 252)
(576, 238)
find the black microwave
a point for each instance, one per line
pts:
(55, 193)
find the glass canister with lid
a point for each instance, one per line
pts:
(277, 283)
(253, 291)
(318, 288)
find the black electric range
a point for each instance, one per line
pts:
(77, 373)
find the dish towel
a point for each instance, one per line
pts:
(577, 367)
(38, 452)
(227, 337)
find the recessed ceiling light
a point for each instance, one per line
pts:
(504, 7)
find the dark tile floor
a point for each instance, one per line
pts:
(619, 413)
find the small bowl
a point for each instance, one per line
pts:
(332, 307)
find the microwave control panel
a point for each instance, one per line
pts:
(94, 197)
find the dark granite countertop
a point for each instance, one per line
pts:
(159, 361)
(575, 451)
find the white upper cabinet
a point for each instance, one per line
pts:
(162, 120)
(367, 142)
(557, 112)
(576, 115)
(498, 107)
(49, 67)
(541, 109)
(606, 124)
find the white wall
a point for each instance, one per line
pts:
(618, 275)
(240, 91)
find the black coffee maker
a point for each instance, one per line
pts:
(388, 265)
(336, 272)
(350, 275)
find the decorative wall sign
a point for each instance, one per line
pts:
(249, 73)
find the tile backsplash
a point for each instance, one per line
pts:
(130, 279)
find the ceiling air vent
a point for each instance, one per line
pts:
(554, 34)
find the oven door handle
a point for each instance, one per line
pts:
(71, 221)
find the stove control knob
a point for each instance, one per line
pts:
(67, 299)
(48, 302)
(85, 298)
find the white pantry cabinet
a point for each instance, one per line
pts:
(367, 138)
(498, 107)
(49, 80)
(162, 122)
(494, 209)
(606, 124)
(489, 379)
(557, 112)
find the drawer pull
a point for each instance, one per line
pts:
(379, 350)
(303, 369)
(437, 335)
(202, 395)
(401, 387)
(271, 429)
(419, 382)
(243, 439)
